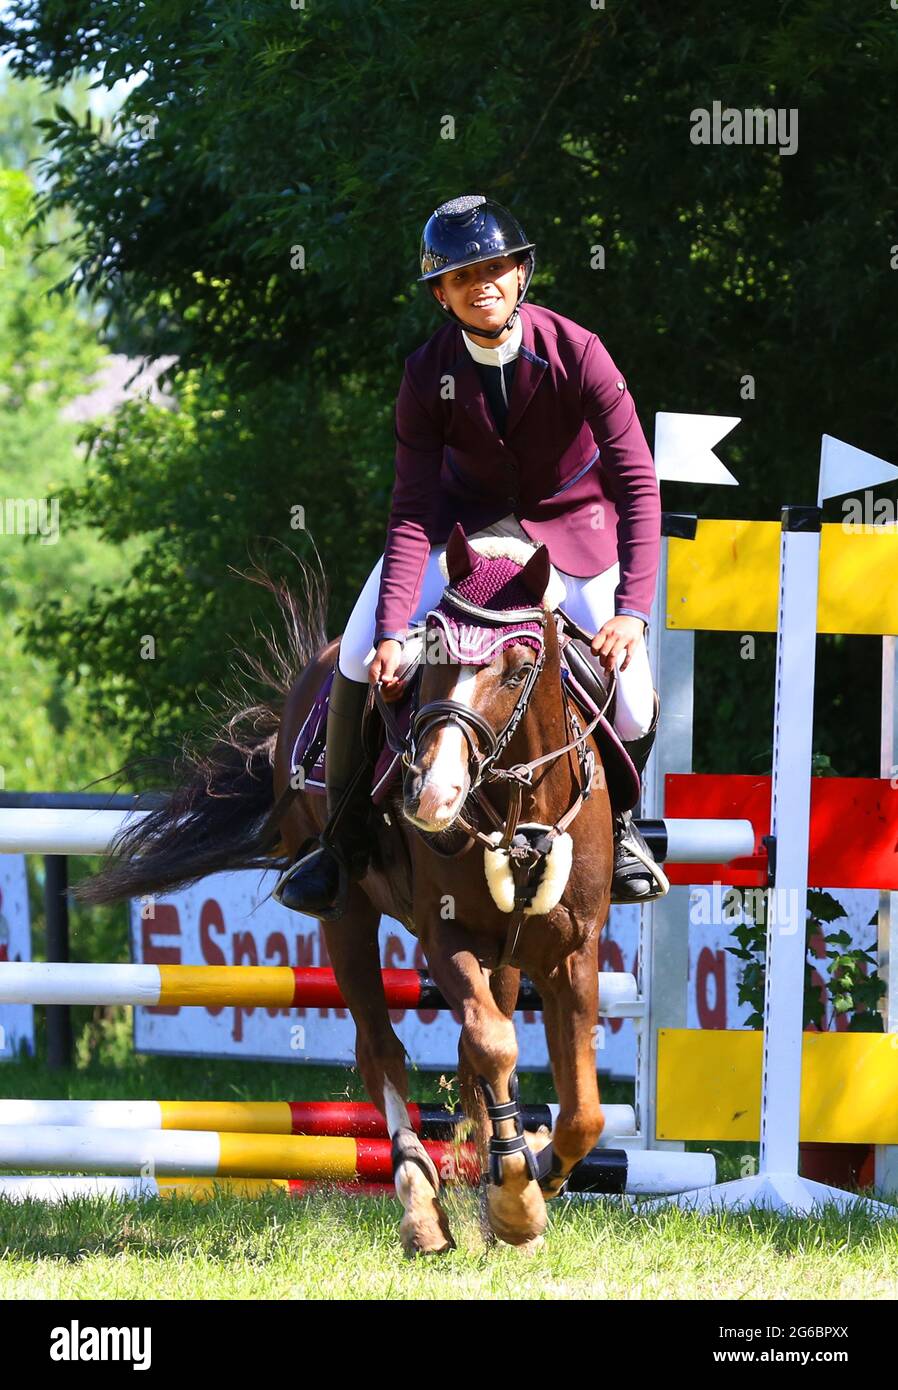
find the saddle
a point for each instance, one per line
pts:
(584, 683)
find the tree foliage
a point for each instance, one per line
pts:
(48, 352)
(261, 138)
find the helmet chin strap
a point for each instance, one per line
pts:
(482, 332)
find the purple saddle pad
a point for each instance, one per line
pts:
(310, 750)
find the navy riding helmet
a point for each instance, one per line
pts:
(471, 229)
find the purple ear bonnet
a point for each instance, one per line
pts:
(475, 639)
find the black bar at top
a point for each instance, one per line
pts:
(801, 518)
(679, 524)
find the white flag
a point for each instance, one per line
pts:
(844, 468)
(684, 447)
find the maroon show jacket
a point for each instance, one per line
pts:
(573, 465)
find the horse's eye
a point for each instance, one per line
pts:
(517, 677)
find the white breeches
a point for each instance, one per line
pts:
(589, 601)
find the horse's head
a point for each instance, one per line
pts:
(485, 646)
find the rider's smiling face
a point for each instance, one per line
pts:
(483, 294)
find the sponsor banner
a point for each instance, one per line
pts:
(227, 919)
(16, 1020)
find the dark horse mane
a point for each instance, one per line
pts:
(220, 814)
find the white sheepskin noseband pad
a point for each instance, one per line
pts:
(556, 869)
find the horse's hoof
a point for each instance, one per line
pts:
(424, 1229)
(524, 1219)
(428, 1235)
(526, 1239)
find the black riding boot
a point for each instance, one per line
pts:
(638, 877)
(318, 882)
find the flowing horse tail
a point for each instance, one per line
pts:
(222, 814)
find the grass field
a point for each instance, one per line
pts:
(333, 1246)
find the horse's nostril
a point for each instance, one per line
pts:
(435, 800)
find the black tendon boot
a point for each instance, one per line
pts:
(638, 877)
(318, 882)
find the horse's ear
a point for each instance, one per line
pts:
(535, 574)
(460, 556)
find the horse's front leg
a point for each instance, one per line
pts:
(516, 1210)
(353, 951)
(570, 1015)
(504, 987)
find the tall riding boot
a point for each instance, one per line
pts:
(318, 882)
(638, 877)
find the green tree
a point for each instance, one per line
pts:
(255, 210)
(48, 353)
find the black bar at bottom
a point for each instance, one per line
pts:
(654, 832)
(603, 1170)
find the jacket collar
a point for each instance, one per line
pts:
(528, 374)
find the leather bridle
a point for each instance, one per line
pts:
(485, 745)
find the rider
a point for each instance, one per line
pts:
(504, 409)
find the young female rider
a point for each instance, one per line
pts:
(513, 421)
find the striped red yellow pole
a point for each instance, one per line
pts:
(65, 1189)
(284, 987)
(191, 1153)
(182, 1153)
(209, 986)
(244, 986)
(354, 1119)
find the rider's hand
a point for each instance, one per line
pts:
(383, 667)
(619, 634)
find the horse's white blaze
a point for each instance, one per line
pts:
(446, 772)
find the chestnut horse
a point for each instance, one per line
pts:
(493, 740)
